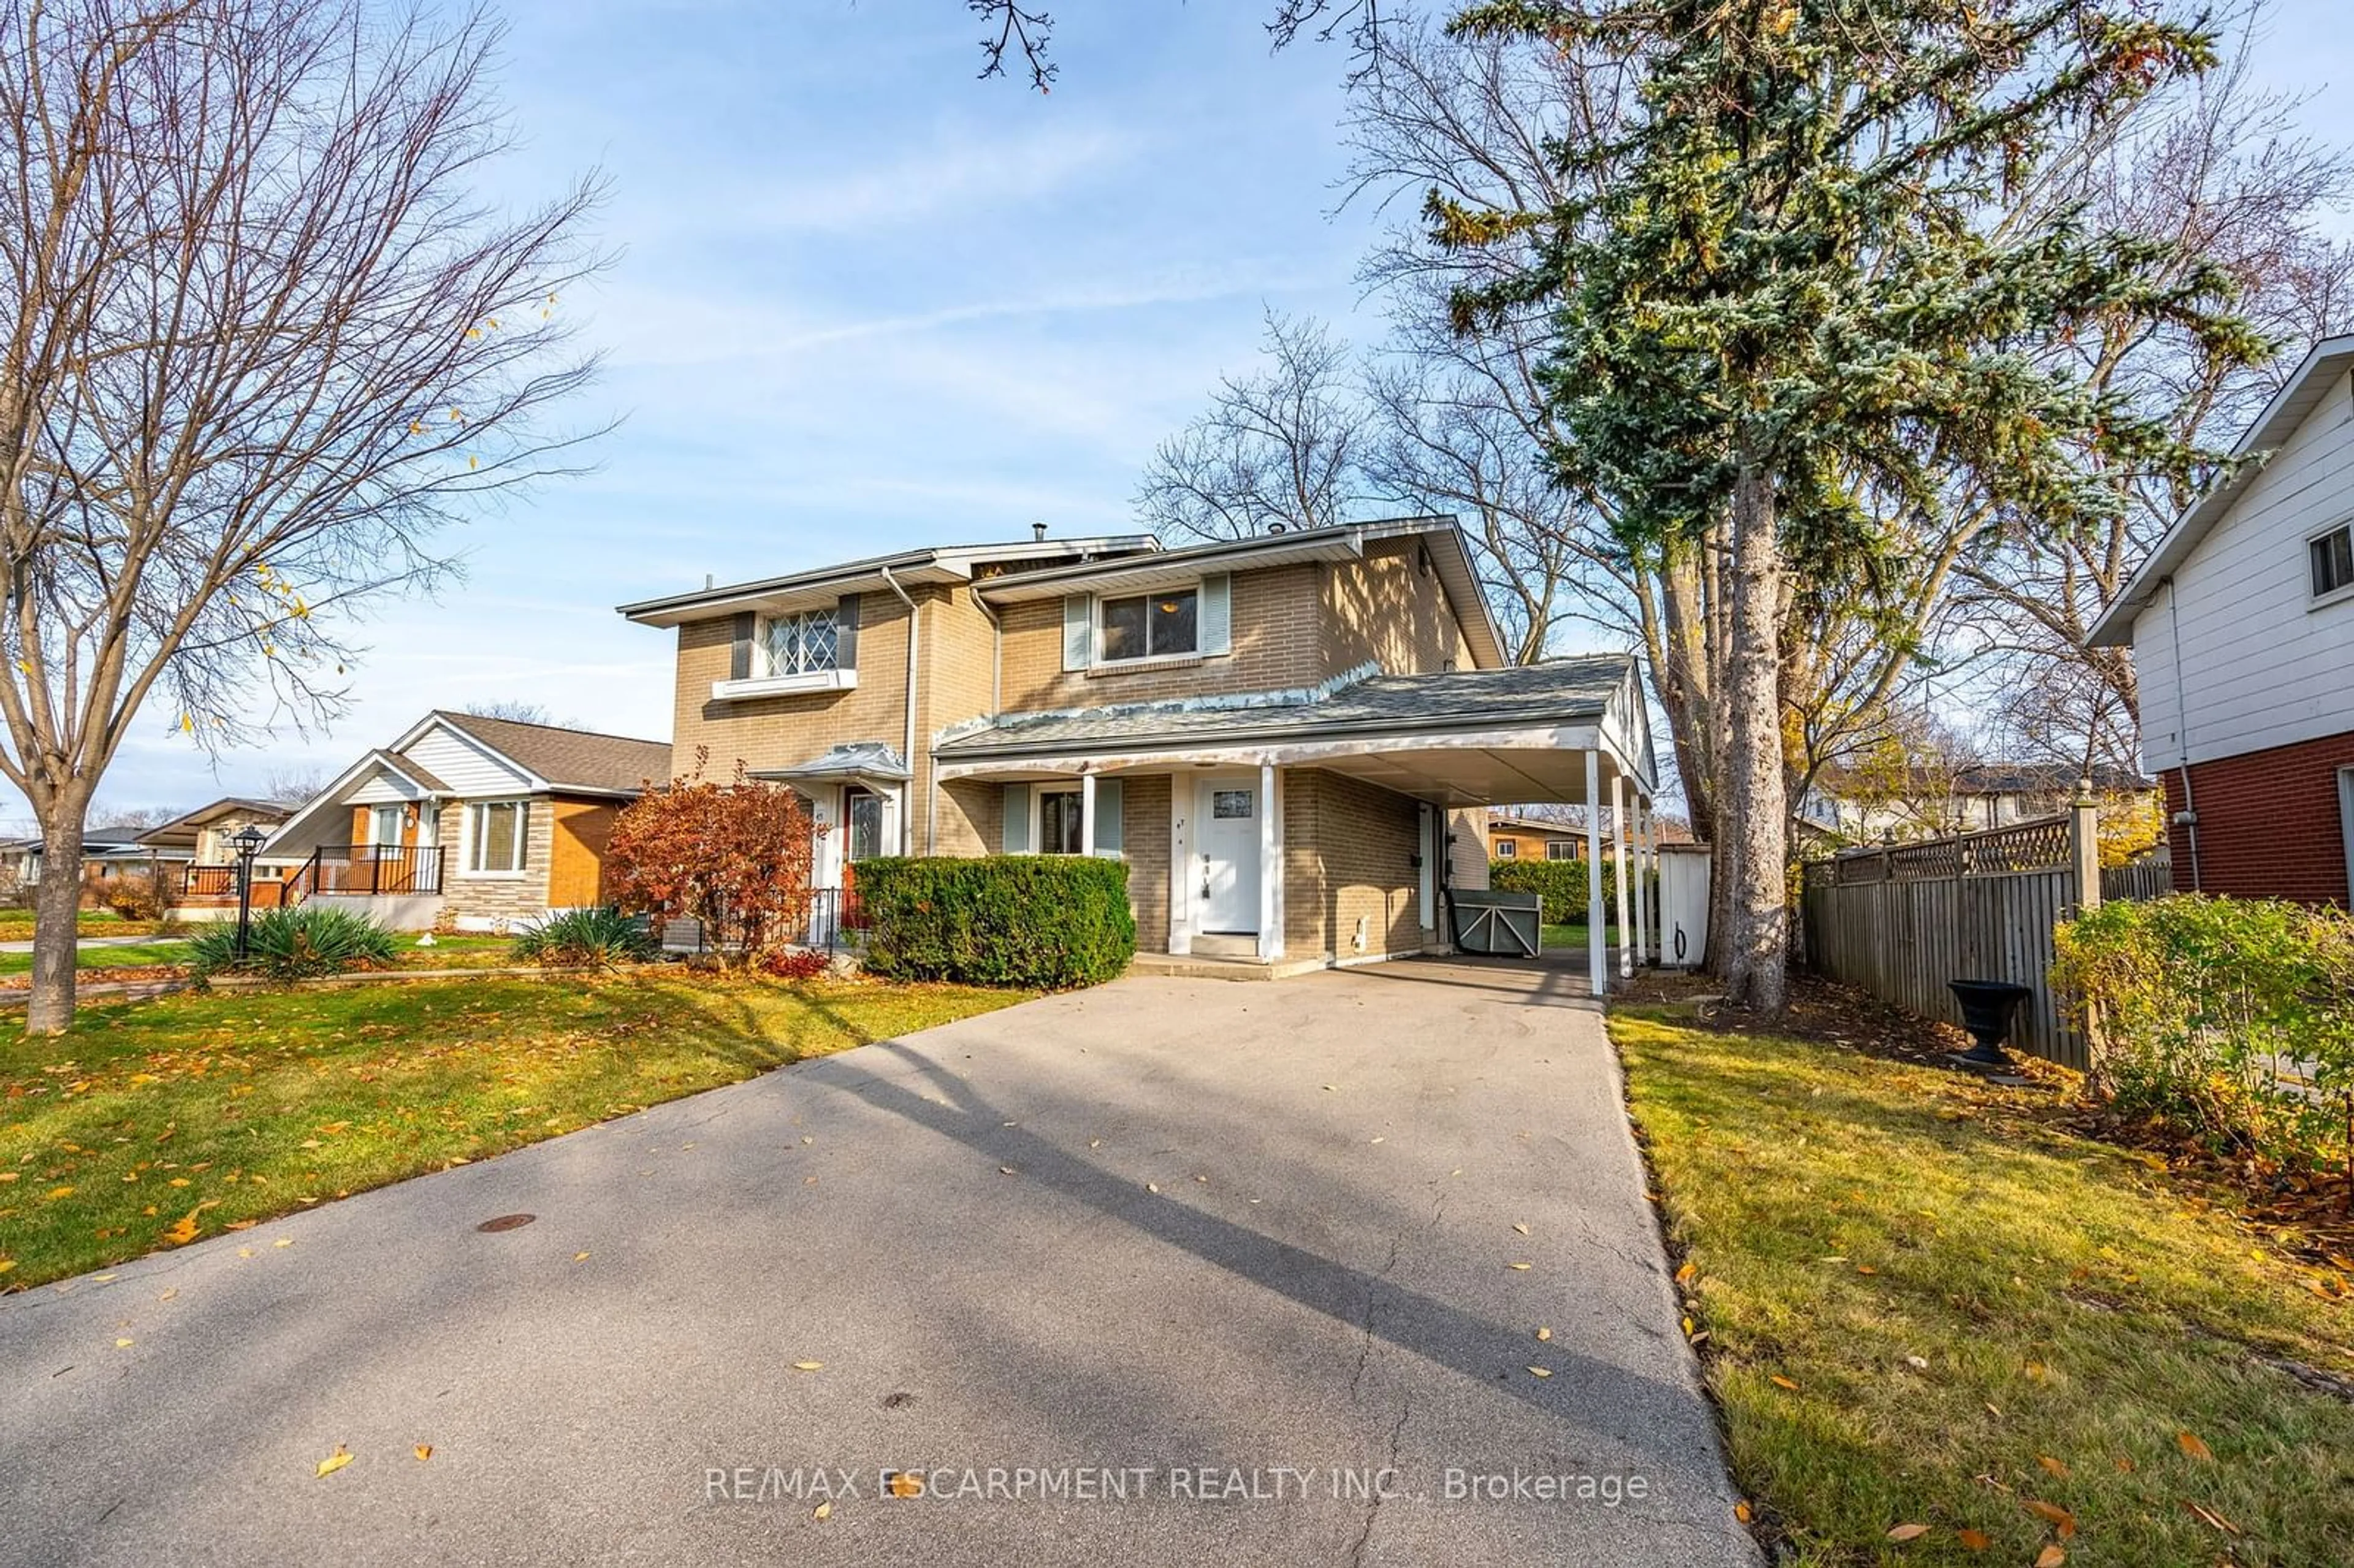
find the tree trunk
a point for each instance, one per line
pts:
(57, 923)
(1753, 796)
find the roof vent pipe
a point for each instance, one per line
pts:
(1038, 532)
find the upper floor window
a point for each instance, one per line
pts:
(1150, 626)
(798, 644)
(2333, 560)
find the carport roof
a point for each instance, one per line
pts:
(1558, 693)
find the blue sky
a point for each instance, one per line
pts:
(865, 301)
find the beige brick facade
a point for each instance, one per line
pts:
(475, 899)
(1349, 846)
(1348, 855)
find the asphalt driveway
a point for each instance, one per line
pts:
(1171, 1271)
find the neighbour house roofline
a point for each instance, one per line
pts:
(190, 820)
(576, 772)
(932, 566)
(1513, 825)
(1145, 571)
(2299, 394)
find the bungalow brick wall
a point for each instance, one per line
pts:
(1348, 854)
(515, 899)
(2269, 823)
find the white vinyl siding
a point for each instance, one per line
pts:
(462, 765)
(2261, 662)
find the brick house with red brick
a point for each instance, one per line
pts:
(2242, 623)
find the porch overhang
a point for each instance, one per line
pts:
(859, 763)
(1461, 738)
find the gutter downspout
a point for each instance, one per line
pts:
(996, 705)
(2182, 733)
(914, 624)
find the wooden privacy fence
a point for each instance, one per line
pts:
(1901, 922)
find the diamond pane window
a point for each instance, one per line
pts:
(799, 644)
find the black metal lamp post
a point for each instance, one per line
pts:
(247, 840)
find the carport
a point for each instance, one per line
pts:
(1568, 731)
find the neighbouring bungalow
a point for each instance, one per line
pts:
(1840, 810)
(2241, 625)
(197, 858)
(1512, 837)
(483, 823)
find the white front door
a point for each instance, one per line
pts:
(1225, 838)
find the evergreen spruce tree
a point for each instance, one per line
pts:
(1789, 307)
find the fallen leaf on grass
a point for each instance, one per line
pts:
(1684, 1274)
(1744, 1512)
(1918, 1363)
(2051, 1556)
(2053, 1466)
(1976, 1539)
(2189, 1444)
(1908, 1531)
(2053, 1514)
(1778, 1381)
(423, 1451)
(2209, 1516)
(1865, 1268)
(335, 1461)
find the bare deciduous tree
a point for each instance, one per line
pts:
(259, 335)
(1277, 446)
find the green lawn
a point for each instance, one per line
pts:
(140, 955)
(16, 925)
(152, 1124)
(1564, 936)
(1924, 1304)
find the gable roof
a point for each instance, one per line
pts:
(562, 759)
(2323, 365)
(182, 829)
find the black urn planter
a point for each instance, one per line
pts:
(1986, 1010)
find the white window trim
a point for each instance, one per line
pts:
(2338, 595)
(466, 831)
(2346, 827)
(783, 685)
(764, 652)
(1506, 849)
(1099, 660)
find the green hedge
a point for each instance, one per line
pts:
(1562, 884)
(1038, 922)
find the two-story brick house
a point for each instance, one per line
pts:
(1291, 739)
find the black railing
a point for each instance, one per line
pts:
(833, 918)
(360, 871)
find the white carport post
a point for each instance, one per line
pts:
(1645, 820)
(1620, 835)
(1598, 958)
(1270, 867)
(1086, 813)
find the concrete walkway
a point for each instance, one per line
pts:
(87, 943)
(1174, 1237)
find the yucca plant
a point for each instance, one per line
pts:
(579, 936)
(308, 941)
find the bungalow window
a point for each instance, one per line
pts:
(2332, 555)
(1151, 626)
(799, 644)
(1560, 849)
(1508, 849)
(499, 832)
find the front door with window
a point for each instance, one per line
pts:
(1226, 836)
(862, 811)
